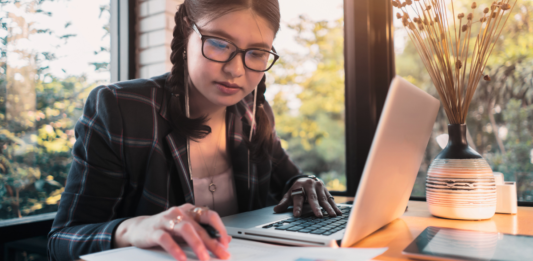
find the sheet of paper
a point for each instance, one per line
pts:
(246, 250)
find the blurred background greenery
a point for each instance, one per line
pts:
(500, 119)
(313, 134)
(38, 106)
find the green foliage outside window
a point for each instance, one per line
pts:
(314, 135)
(38, 109)
(500, 119)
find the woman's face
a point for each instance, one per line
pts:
(212, 79)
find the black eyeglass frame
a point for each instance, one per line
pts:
(239, 50)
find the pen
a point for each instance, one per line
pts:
(213, 233)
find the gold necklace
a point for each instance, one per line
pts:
(212, 187)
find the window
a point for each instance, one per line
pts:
(500, 116)
(53, 53)
(306, 88)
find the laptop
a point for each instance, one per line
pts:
(390, 171)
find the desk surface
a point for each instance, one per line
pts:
(401, 232)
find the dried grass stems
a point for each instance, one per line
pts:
(445, 47)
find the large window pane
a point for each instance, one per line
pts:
(501, 114)
(52, 54)
(306, 88)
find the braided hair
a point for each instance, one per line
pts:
(262, 141)
(192, 10)
(192, 128)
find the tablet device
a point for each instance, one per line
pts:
(438, 243)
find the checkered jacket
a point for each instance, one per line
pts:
(128, 161)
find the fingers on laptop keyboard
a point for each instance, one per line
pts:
(323, 200)
(298, 201)
(331, 201)
(285, 202)
(312, 225)
(312, 197)
(313, 202)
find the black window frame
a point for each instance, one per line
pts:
(123, 67)
(369, 69)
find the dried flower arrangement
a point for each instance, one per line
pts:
(445, 48)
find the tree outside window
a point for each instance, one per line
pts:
(306, 88)
(52, 54)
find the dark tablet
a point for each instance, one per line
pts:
(438, 243)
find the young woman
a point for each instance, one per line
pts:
(150, 152)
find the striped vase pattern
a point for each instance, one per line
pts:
(461, 189)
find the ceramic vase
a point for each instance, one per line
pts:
(460, 183)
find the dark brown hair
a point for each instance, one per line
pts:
(192, 11)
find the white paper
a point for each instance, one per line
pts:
(246, 250)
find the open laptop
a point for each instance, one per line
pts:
(390, 171)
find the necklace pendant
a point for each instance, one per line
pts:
(212, 187)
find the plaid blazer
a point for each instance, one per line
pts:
(128, 161)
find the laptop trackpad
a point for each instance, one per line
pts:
(254, 218)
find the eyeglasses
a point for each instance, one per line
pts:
(222, 51)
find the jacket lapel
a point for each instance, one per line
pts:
(239, 122)
(178, 148)
(237, 151)
(164, 110)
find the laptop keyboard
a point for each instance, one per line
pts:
(314, 225)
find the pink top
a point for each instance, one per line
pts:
(223, 200)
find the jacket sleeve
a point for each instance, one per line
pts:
(284, 171)
(86, 219)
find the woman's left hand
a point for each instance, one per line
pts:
(316, 194)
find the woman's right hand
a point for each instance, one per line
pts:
(157, 230)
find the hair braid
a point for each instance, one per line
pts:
(176, 76)
(192, 128)
(260, 147)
